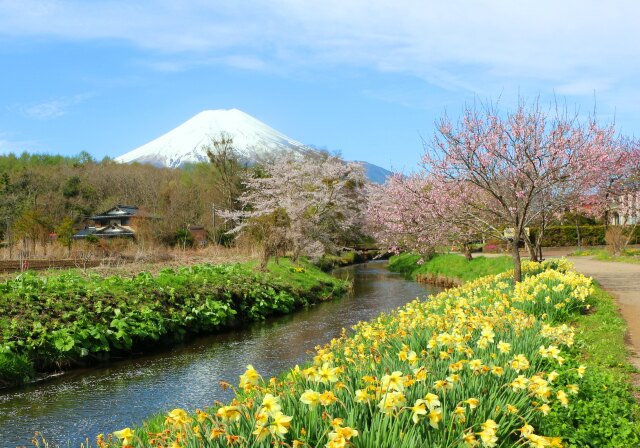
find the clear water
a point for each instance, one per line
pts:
(84, 403)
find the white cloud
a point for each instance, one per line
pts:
(53, 108)
(571, 46)
(7, 145)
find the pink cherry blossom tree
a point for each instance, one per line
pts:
(417, 212)
(527, 162)
(617, 198)
(304, 206)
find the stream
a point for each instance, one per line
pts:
(84, 403)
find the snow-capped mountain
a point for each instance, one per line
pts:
(252, 139)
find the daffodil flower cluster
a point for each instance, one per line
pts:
(478, 366)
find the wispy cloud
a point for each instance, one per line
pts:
(54, 108)
(7, 145)
(573, 46)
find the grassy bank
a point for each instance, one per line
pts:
(607, 412)
(329, 262)
(67, 318)
(486, 364)
(448, 269)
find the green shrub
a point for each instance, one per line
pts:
(14, 370)
(590, 235)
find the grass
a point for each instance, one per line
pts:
(631, 256)
(313, 281)
(600, 335)
(449, 266)
(329, 262)
(609, 414)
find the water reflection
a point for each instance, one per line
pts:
(85, 403)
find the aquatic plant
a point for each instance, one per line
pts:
(57, 320)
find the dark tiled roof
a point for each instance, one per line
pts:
(108, 231)
(119, 211)
(85, 232)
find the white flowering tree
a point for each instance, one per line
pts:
(303, 206)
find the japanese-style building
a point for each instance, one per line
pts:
(116, 222)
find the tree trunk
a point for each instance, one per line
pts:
(466, 247)
(531, 248)
(515, 254)
(630, 235)
(539, 237)
(265, 260)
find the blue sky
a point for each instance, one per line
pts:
(367, 78)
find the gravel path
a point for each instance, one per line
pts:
(622, 280)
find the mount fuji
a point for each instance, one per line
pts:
(252, 139)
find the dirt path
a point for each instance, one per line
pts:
(622, 280)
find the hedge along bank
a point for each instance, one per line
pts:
(67, 319)
(486, 364)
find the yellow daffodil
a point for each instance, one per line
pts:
(562, 398)
(327, 398)
(361, 396)
(229, 413)
(126, 435)
(261, 432)
(526, 430)
(310, 397)
(432, 401)
(418, 409)
(472, 402)
(470, 440)
(271, 404)
(280, 423)
(520, 363)
(581, 371)
(435, 417)
(395, 381)
(326, 374)
(249, 378)
(459, 414)
(392, 401)
(178, 417)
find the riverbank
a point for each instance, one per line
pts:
(447, 270)
(425, 375)
(69, 319)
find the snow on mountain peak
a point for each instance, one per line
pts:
(187, 143)
(252, 139)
